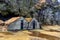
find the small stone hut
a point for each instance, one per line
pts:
(34, 24)
(19, 24)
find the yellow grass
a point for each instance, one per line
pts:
(30, 35)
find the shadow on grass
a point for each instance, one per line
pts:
(53, 30)
(38, 34)
(7, 33)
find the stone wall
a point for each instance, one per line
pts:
(3, 27)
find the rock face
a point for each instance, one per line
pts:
(49, 16)
(53, 2)
(57, 18)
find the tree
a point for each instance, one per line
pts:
(21, 7)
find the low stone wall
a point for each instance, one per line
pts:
(3, 27)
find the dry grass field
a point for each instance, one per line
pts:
(30, 35)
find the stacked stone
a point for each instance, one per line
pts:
(3, 27)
